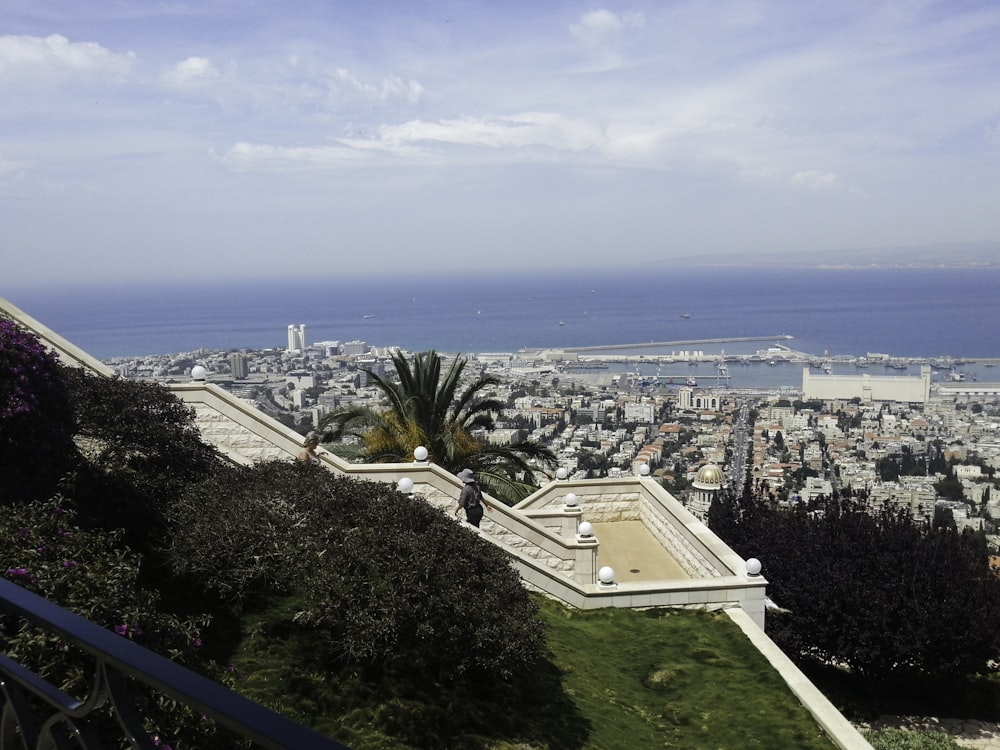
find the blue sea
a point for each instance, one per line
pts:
(947, 312)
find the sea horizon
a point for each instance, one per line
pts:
(918, 312)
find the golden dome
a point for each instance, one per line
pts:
(709, 476)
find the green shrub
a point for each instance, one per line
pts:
(140, 448)
(35, 420)
(875, 592)
(385, 581)
(238, 533)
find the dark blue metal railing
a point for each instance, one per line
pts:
(37, 715)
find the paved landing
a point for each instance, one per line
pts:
(634, 553)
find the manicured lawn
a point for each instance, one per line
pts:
(674, 679)
(616, 679)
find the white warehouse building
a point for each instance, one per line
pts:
(908, 389)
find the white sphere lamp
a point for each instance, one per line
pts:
(420, 454)
(405, 485)
(644, 470)
(561, 473)
(606, 575)
(570, 500)
(585, 529)
(198, 373)
(753, 566)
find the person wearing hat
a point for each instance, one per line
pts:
(308, 453)
(471, 499)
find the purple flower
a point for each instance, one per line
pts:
(69, 563)
(121, 629)
(21, 573)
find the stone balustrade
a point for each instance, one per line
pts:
(540, 533)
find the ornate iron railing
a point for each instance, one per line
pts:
(36, 715)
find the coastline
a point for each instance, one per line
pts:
(908, 313)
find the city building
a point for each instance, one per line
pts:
(354, 348)
(868, 388)
(696, 398)
(639, 412)
(239, 365)
(297, 337)
(707, 484)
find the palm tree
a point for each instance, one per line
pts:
(427, 408)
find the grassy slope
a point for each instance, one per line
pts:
(670, 678)
(617, 679)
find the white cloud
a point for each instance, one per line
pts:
(525, 130)
(7, 167)
(38, 60)
(349, 153)
(192, 70)
(723, 103)
(600, 32)
(814, 180)
(531, 136)
(11, 173)
(603, 27)
(391, 88)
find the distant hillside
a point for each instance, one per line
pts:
(944, 255)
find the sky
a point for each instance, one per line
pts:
(175, 139)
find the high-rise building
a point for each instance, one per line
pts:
(297, 337)
(238, 365)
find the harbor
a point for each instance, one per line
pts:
(737, 362)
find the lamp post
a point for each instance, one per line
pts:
(606, 578)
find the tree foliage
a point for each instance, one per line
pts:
(377, 583)
(877, 592)
(385, 581)
(35, 420)
(139, 448)
(429, 406)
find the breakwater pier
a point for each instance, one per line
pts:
(663, 344)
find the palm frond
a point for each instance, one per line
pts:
(426, 408)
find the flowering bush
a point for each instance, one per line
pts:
(36, 446)
(91, 574)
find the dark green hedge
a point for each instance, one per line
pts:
(386, 581)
